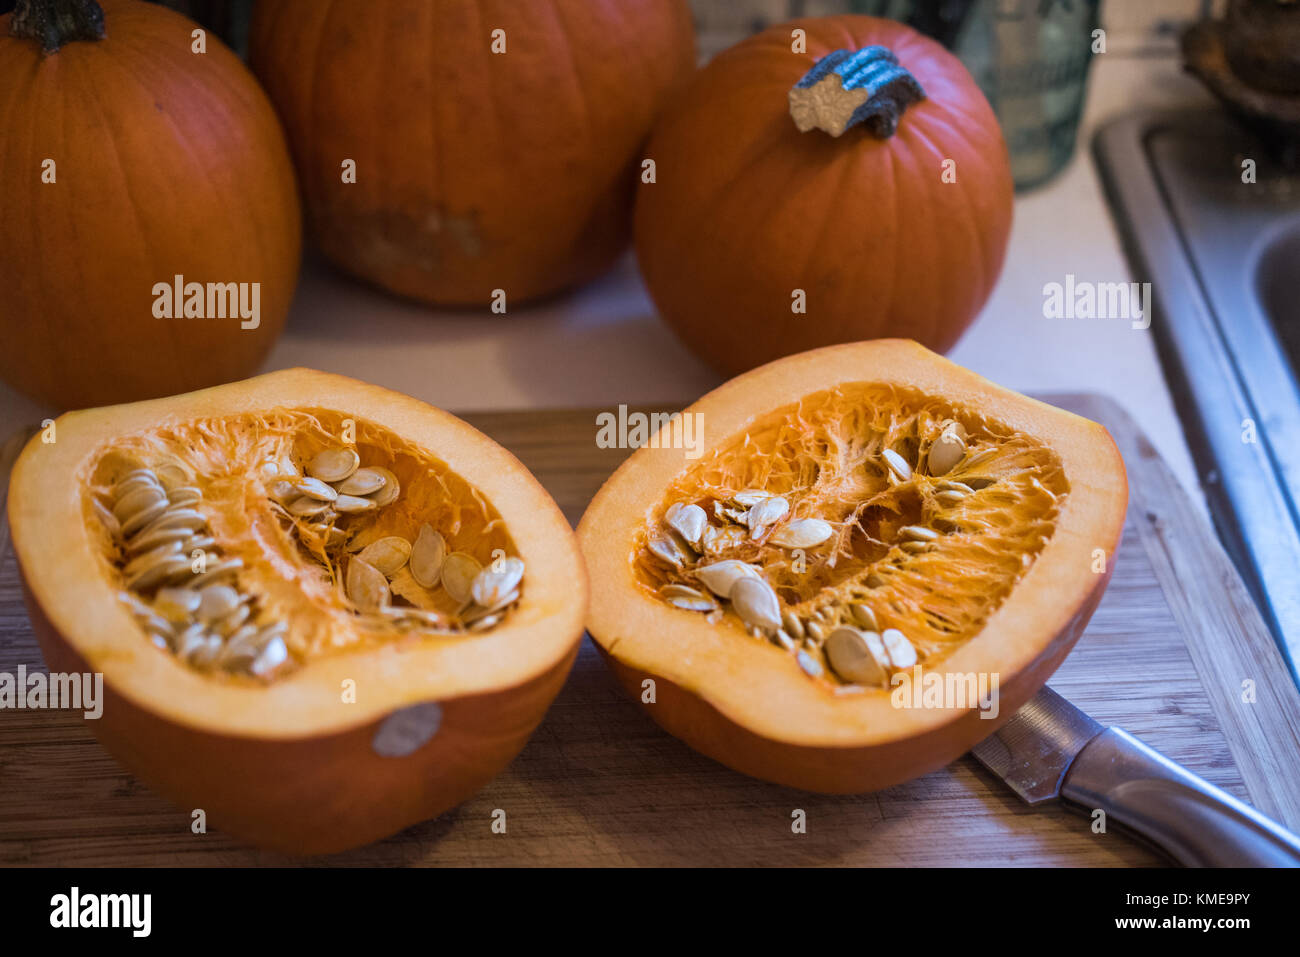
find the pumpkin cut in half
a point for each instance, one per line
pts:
(323, 611)
(873, 559)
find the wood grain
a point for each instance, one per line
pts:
(1164, 657)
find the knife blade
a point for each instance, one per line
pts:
(1051, 750)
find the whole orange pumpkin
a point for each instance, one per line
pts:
(135, 167)
(450, 148)
(759, 240)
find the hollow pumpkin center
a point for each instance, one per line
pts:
(249, 545)
(868, 509)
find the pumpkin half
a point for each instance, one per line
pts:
(323, 611)
(150, 215)
(496, 144)
(859, 522)
(828, 180)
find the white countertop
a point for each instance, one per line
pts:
(603, 345)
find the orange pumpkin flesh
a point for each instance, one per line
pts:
(745, 701)
(166, 163)
(292, 763)
(520, 179)
(896, 236)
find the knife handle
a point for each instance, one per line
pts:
(1191, 820)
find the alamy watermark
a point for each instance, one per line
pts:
(75, 691)
(655, 430)
(918, 688)
(1082, 299)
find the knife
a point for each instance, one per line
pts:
(1050, 749)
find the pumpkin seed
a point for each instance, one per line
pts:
(864, 616)
(667, 548)
(162, 570)
(273, 654)
(765, 513)
(172, 476)
(896, 464)
(106, 517)
(918, 533)
(902, 655)
(476, 612)
(197, 543)
(150, 558)
(427, 556)
(784, 640)
(143, 517)
(916, 548)
(333, 465)
(215, 571)
(815, 632)
(946, 451)
(389, 491)
(483, 624)
(367, 588)
(176, 517)
(232, 621)
(458, 574)
(756, 603)
(689, 521)
(950, 486)
(949, 497)
(176, 604)
(857, 656)
(189, 640)
(750, 497)
(809, 664)
(682, 596)
(184, 495)
(216, 601)
(718, 541)
(315, 488)
(801, 533)
(388, 554)
(353, 504)
(721, 577)
(791, 624)
(364, 482)
(305, 506)
(137, 499)
(494, 583)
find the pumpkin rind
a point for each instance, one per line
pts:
(168, 163)
(745, 703)
(747, 210)
(519, 177)
(292, 765)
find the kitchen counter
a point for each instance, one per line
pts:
(603, 345)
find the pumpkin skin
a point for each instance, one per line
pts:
(747, 209)
(522, 176)
(290, 766)
(745, 703)
(168, 163)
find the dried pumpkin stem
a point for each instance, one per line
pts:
(848, 87)
(56, 22)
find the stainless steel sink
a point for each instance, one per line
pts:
(1223, 258)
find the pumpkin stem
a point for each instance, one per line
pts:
(848, 87)
(56, 22)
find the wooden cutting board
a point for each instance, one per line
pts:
(1165, 657)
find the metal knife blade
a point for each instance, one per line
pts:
(1033, 750)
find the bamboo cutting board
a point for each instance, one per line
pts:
(1165, 657)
